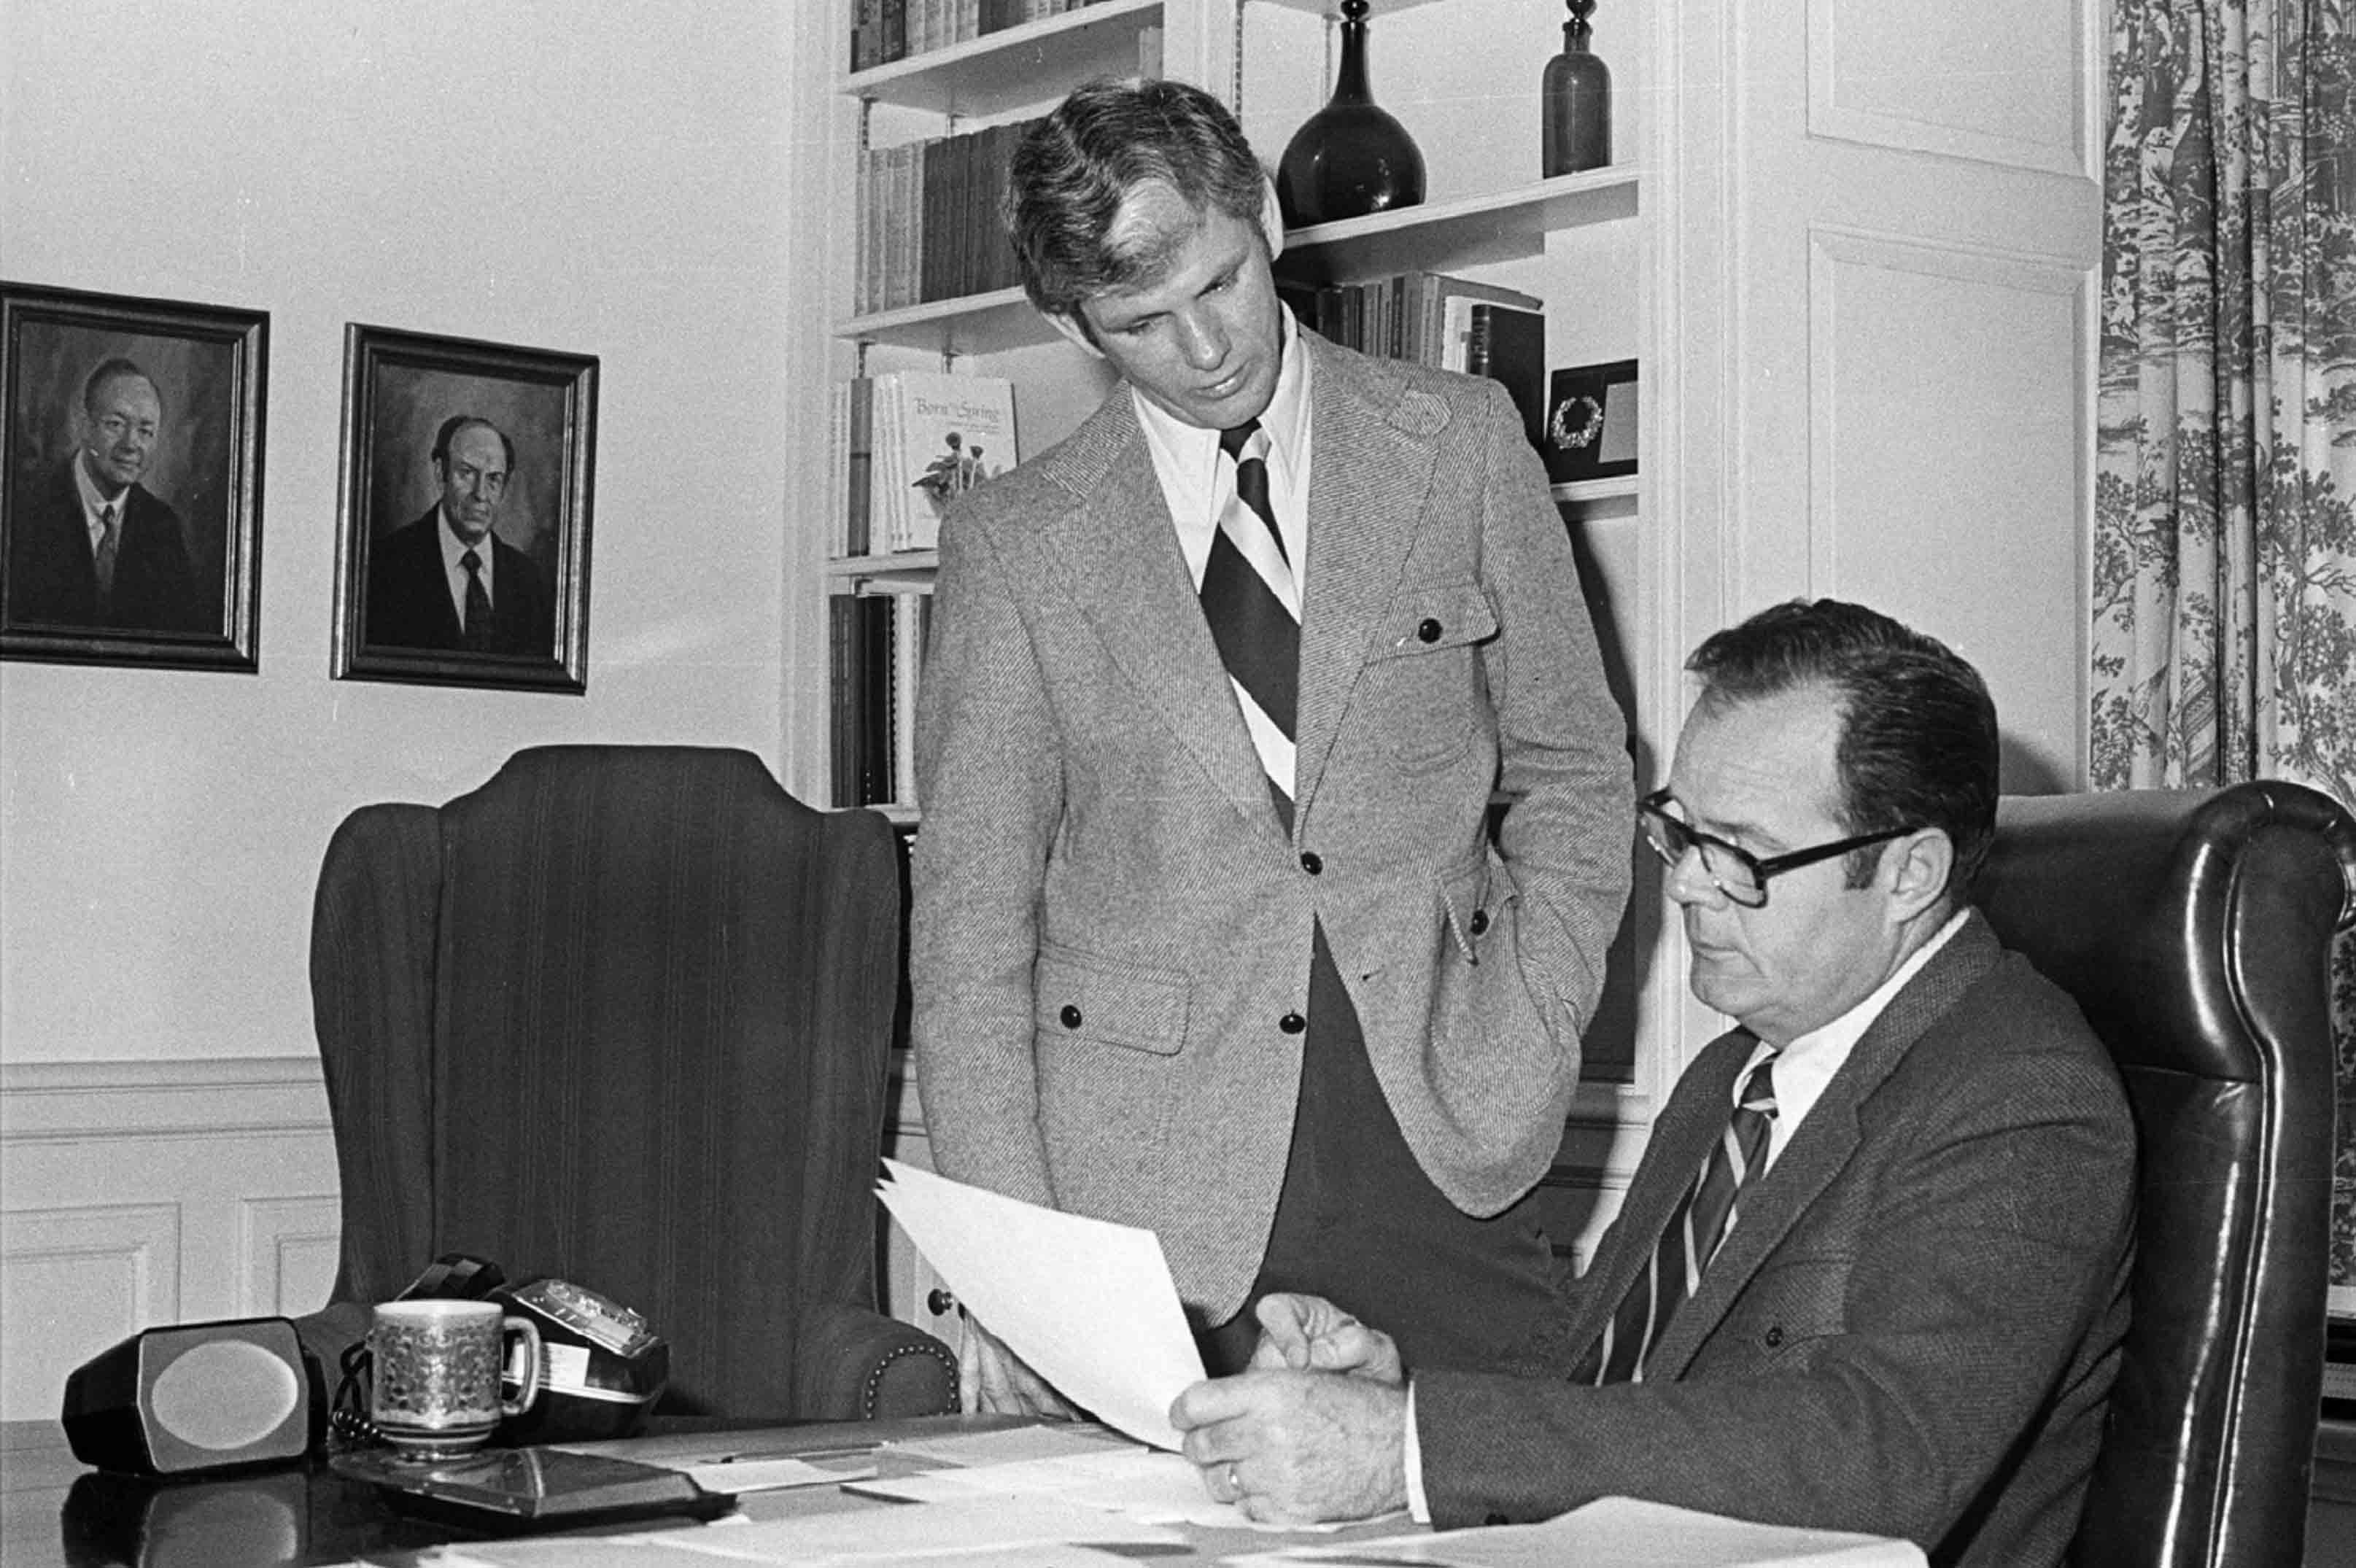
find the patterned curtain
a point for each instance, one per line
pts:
(2225, 551)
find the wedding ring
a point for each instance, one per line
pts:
(1234, 1484)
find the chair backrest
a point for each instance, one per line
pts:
(622, 1014)
(2194, 929)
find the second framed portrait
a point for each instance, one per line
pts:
(463, 558)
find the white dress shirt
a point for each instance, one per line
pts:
(94, 505)
(453, 569)
(1197, 485)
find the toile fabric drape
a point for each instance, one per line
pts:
(2224, 636)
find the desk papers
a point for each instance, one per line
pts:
(1612, 1532)
(1136, 1483)
(1089, 1304)
(959, 1534)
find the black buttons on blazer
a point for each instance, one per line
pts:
(1479, 923)
(1429, 631)
(1312, 862)
(1069, 1016)
(1774, 1335)
(1292, 1023)
(1496, 1518)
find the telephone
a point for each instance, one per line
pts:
(602, 1368)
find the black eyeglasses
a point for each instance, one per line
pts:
(1734, 870)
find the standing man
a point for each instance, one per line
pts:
(93, 547)
(1211, 931)
(1871, 1272)
(446, 581)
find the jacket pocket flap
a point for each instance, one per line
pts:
(1432, 617)
(1080, 996)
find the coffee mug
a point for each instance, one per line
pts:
(434, 1372)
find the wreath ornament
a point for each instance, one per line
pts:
(1577, 421)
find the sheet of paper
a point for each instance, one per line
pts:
(686, 1450)
(692, 1549)
(1089, 1305)
(1621, 1532)
(776, 1475)
(1013, 1444)
(1138, 1483)
(945, 1530)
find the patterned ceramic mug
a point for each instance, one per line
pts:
(435, 1366)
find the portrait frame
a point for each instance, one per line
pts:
(401, 390)
(183, 561)
(1592, 421)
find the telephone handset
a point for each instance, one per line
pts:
(602, 1368)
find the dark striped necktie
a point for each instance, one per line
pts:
(1247, 582)
(476, 631)
(1697, 1227)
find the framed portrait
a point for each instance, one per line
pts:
(131, 483)
(463, 555)
(1591, 427)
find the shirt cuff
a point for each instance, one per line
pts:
(1419, 1506)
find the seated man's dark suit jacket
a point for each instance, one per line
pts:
(1911, 1330)
(53, 576)
(409, 603)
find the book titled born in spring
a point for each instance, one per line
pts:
(937, 436)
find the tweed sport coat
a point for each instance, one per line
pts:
(1912, 1330)
(1111, 933)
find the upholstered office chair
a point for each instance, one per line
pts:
(622, 1016)
(2194, 929)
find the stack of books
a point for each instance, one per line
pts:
(926, 225)
(875, 655)
(903, 445)
(1431, 318)
(883, 31)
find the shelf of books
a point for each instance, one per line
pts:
(988, 57)
(1473, 231)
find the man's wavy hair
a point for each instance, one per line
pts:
(1071, 170)
(1918, 741)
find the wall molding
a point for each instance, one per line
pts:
(207, 1098)
(139, 1193)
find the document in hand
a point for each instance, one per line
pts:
(1089, 1304)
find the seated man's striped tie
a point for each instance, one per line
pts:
(1696, 1227)
(1253, 606)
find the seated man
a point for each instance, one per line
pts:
(1916, 1154)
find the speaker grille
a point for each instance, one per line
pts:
(229, 1393)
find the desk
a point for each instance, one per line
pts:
(309, 1515)
(55, 1513)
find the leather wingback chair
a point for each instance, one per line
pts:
(2194, 928)
(622, 1016)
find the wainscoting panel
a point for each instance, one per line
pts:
(134, 1194)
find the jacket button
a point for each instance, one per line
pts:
(1480, 921)
(1312, 862)
(1429, 631)
(1292, 1023)
(1497, 1519)
(1070, 1016)
(1774, 1335)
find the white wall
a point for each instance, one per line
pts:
(607, 180)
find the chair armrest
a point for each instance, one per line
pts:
(855, 1364)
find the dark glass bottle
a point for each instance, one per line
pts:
(1577, 98)
(1351, 157)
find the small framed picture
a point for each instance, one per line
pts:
(463, 558)
(131, 487)
(1590, 430)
